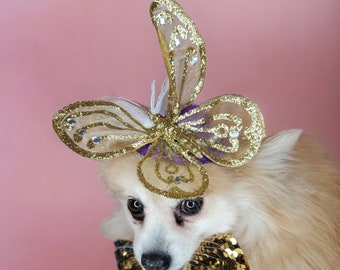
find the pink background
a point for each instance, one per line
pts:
(284, 54)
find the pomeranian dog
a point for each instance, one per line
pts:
(283, 207)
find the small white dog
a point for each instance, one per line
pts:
(283, 207)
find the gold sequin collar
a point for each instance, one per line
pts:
(219, 252)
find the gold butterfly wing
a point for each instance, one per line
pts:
(172, 171)
(183, 52)
(228, 129)
(103, 129)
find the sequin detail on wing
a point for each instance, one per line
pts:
(102, 129)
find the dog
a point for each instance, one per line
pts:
(283, 207)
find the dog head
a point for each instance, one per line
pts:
(165, 231)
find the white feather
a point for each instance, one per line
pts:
(136, 110)
(158, 105)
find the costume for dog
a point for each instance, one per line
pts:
(218, 252)
(175, 136)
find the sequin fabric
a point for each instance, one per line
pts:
(219, 252)
(227, 130)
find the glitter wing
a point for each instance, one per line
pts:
(228, 130)
(172, 175)
(103, 129)
(183, 52)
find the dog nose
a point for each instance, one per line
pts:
(156, 261)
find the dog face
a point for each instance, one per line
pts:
(156, 239)
(282, 206)
(165, 231)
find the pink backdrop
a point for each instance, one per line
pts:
(284, 54)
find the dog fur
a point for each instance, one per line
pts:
(283, 207)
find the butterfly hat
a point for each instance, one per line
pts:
(175, 136)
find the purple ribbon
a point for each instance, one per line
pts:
(144, 149)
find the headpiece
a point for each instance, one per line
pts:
(175, 136)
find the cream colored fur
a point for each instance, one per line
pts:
(283, 207)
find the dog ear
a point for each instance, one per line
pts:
(116, 227)
(277, 149)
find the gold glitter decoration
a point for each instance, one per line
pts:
(178, 40)
(126, 260)
(219, 252)
(227, 130)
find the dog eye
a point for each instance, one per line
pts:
(191, 207)
(136, 208)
